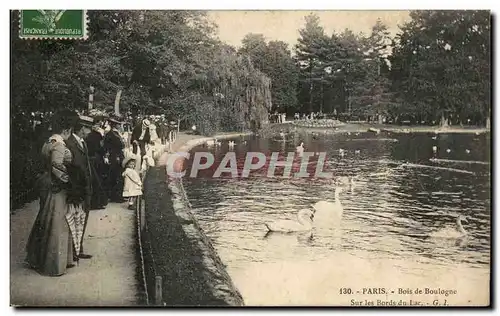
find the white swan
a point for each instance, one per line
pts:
(300, 148)
(352, 184)
(448, 150)
(303, 223)
(210, 142)
(329, 207)
(467, 151)
(449, 232)
(434, 137)
(374, 130)
(434, 149)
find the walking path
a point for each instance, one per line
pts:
(108, 279)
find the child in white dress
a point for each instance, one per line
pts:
(132, 187)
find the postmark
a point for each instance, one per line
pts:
(53, 24)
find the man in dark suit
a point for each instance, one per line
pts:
(142, 136)
(113, 147)
(81, 163)
(95, 146)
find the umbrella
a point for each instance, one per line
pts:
(76, 220)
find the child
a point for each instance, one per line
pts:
(132, 187)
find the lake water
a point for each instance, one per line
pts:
(382, 239)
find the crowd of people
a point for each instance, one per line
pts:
(281, 117)
(89, 162)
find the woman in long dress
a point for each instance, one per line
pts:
(50, 244)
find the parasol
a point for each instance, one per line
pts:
(76, 220)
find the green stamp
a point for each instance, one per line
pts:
(53, 24)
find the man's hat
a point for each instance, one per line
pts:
(86, 121)
(145, 123)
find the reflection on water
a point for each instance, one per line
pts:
(382, 238)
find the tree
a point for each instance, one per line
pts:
(308, 51)
(275, 61)
(441, 65)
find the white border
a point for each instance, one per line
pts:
(200, 4)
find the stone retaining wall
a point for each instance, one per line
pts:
(176, 248)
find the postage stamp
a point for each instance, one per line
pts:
(53, 24)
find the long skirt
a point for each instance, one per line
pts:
(50, 247)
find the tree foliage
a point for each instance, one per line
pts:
(438, 65)
(274, 59)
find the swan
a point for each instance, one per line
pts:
(327, 207)
(303, 223)
(374, 130)
(434, 137)
(300, 148)
(231, 143)
(352, 184)
(448, 150)
(449, 232)
(434, 149)
(467, 151)
(210, 142)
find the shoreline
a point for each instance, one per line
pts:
(186, 142)
(361, 127)
(215, 283)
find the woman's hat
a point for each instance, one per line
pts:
(145, 123)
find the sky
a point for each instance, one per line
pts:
(284, 25)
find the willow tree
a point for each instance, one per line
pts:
(229, 94)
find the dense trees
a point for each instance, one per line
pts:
(161, 60)
(437, 69)
(274, 59)
(441, 66)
